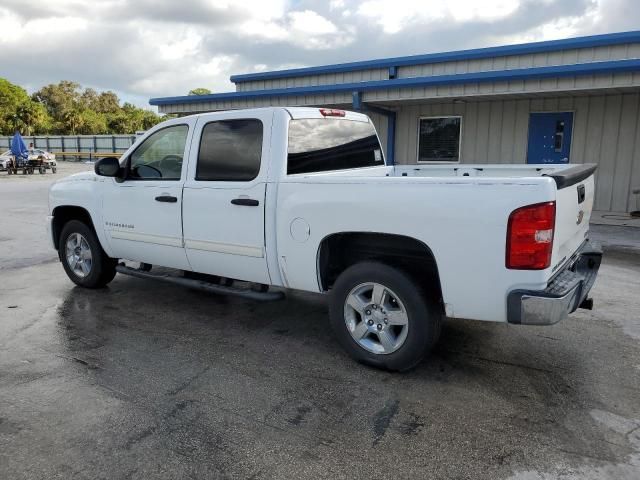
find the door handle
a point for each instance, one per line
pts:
(167, 199)
(247, 202)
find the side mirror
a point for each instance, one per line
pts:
(107, 167)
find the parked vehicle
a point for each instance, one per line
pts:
(301, 198)
(47, 159)
(5, 159)
(37, 159)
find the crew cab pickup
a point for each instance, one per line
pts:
(301, 198)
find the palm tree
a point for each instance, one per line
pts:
(72, 119)
(27, 117)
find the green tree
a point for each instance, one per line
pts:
(103, 102)
(200, 91)
(59, 99)
(30, 117)
(66, 108)
(11, 97)
(72, 120)
(92, 123)
(119, 123)
(107, 102)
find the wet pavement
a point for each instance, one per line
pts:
(146, 380)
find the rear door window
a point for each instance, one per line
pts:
(325, 144)
(230, 150)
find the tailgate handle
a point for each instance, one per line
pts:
(581, 193)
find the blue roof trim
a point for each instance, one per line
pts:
(594, 68)
(521, 49)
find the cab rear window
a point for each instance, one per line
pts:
(325, 144)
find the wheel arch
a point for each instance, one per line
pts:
(338, 251)
(63, 214)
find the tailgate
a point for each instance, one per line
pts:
(574, 203)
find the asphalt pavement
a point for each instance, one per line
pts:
(146, 380)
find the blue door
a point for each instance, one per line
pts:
(549, 137)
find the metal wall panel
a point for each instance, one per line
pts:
(533, 86)
(530, 87)
(606, 131)
(328, 99)
(562, 57)
(309, 80)
(380, 122)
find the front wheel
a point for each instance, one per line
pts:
(382, 317)
(82, 257)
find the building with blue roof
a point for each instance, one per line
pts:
(575, 100)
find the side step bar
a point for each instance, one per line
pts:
(202, 285)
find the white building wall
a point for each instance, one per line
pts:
(529, 87)
(561, 57)
(545, 59)
(309, 80)
(606, 131)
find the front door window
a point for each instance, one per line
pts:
(160, 156)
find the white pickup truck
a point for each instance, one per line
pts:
(301, 198)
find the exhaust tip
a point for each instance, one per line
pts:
(587, 304)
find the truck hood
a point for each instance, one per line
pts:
(76, 177)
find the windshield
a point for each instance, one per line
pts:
(324, 144)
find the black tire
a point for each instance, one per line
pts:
(425, 315)
(103, 268)
(54, 169)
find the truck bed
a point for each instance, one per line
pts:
(496, 171)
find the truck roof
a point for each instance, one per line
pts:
(299, 112)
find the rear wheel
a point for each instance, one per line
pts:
(382, 317)
(82, 257)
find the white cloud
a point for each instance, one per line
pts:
(200, 75)
(393, 16)
(305, 29)
(150, 48)
(310, 22)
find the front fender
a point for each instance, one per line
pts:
(81, 191)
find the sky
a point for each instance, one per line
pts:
(153, 48)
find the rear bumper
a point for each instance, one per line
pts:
(567, 291)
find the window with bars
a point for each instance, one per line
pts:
(439, 139)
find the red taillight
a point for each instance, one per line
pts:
(332, 112)
(530, 236)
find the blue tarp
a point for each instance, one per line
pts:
(19, 149)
